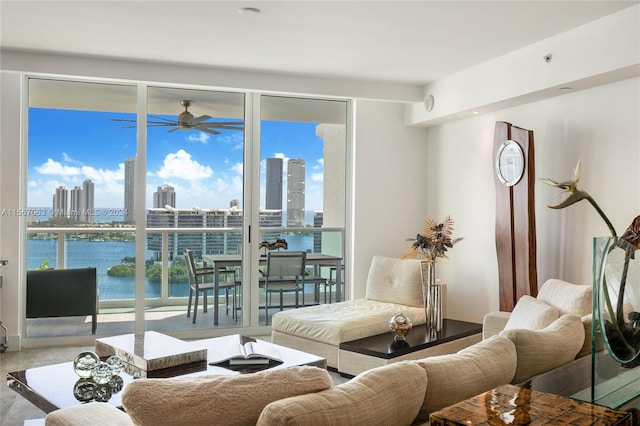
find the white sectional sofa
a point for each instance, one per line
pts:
(404, 393)
(399, 394)
(555, 298)
(393, 286)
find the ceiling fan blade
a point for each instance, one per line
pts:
(158, 117)
(204, 129)
(160, 123)
(199, 120)
(225, 123)
(123, 120)
(172, 130)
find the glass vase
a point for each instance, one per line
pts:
(616, 322)
(432, 295)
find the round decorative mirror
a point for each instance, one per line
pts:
(510, 162)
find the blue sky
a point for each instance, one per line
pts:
(66, 147)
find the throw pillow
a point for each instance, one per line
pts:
(568, 298)
(531, 314)
(232, 400)
(92, 413)
(473, 370)
(394, 280)
(389, 395)
(542, 350)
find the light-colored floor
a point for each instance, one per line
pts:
(14, 409)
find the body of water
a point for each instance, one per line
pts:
(104, 254)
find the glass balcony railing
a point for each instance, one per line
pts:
(112, 252)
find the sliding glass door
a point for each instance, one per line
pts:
(194, 197)
(302, 189)
(126, 177)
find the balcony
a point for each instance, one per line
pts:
(166, 286)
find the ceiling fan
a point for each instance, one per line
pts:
(187, 121)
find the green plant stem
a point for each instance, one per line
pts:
(604, 217)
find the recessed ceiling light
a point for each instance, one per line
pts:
(249, 11)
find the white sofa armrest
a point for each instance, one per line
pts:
(493, 323)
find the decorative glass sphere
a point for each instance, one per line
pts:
(103, 393)
(116, 384)
(84, 390)
(84, 364)
(102, 373)
(116, 364)
(399, 326)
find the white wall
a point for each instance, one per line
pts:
(10, 196)
(601, 126)
(390, 194)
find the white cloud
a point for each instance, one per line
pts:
(68, 159)
(180, 165)
(317, 177)
(232, 138)
(319, 164)
(56, 168)
(238, 168)
(100, 176)
(201, 137)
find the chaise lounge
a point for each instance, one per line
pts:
(393, 286)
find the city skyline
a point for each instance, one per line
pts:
(206, 169)
(76, 203)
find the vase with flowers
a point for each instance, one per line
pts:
(616, 300)
(430, 244)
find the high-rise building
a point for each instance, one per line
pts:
(87, 202)
(61, 202)
(273, 195)
(80, 203)
(164, 196)
(75, 201)
(295, 192)
(129, 190)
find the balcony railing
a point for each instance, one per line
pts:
(163, 247)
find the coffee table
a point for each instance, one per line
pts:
(513, 405)
(360, 355)
(52, 387)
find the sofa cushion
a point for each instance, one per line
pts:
(342, 322)
(531, 314)
(385, 395)
(473, 370)
(543, 350)
(206, 400)
(395, 281)
(92, 413)
(568, 298)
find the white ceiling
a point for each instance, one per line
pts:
(410, 42)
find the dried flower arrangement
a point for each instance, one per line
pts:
(434, 240)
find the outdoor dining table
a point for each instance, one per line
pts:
(221, 261)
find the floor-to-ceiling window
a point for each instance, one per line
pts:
(84, 160)
(77, 193)
(194, 193)
(302, 186)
